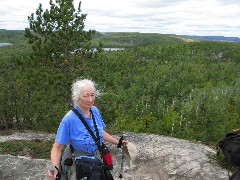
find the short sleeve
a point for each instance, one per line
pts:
(63, 133)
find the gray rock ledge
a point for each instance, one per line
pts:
(159, 158)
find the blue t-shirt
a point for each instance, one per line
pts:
(71, 129)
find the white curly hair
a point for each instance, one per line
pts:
(77, 87)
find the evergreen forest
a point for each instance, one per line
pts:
(161, 84)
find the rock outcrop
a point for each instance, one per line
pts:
(158, 158)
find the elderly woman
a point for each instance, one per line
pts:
(72, 130)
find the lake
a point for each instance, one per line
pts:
(110, 49)
(5, 44)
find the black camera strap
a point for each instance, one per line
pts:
(96, 139)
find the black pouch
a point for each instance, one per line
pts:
(106, 173)
(230, 146)
(68, 162)
(85, 167)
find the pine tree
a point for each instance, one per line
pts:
(54, 34)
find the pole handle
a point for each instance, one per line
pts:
(120, 141)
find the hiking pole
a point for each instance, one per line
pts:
(120, 145)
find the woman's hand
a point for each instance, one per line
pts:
(108, 138)
(122, 142)
(52, 173)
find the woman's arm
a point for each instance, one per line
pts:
(55, 158)
(108, 138)
(56, 153)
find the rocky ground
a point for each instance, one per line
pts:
(158, 158)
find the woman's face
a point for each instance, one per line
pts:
(87, 97)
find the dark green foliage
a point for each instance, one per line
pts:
(185, 89)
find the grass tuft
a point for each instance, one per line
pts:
(37, 149)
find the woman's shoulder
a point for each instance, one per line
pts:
(94, 109)
(68, 116)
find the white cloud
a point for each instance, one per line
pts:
(193, 17)
(14, 13)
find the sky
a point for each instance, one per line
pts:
(181, 17)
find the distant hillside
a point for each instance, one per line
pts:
(12, 36)
(129, 39)
(114, 39)
(215, 38)
(122, 39)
